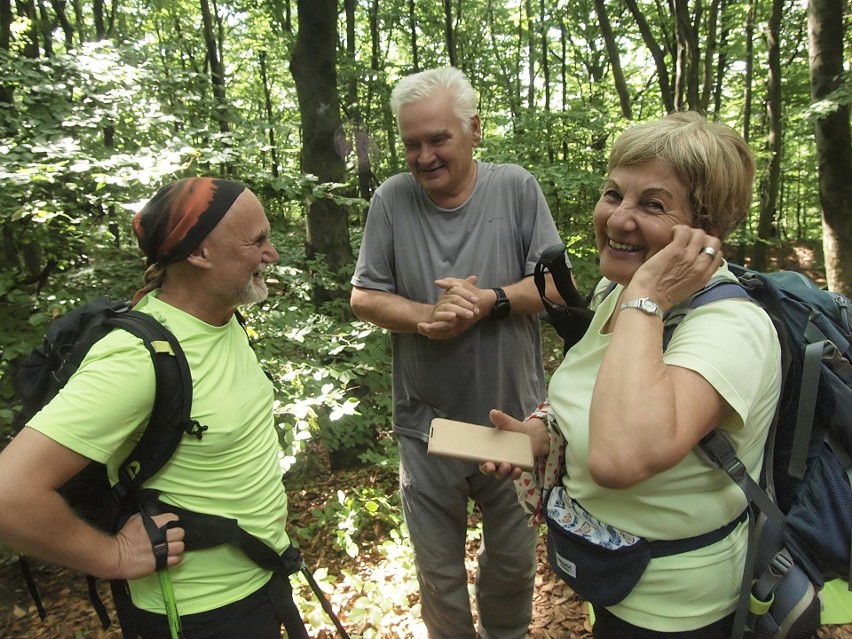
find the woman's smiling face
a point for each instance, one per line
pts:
(634, 216)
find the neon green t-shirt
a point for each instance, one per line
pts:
(233, 470)
(733, 345)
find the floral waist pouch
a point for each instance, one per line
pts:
(600, 562)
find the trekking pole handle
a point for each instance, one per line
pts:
(557, 262)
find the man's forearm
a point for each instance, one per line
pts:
(388, 310)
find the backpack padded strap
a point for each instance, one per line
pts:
(807, 405)
(170, 416)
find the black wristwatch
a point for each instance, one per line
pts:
(502, 307)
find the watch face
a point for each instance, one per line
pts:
(648, 306)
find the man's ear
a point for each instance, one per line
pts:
(475, 130)
(198, 258)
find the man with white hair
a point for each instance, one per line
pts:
(446, 266)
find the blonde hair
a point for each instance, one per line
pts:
(712, 160)
(416, 87)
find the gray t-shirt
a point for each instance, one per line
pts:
(497, 235)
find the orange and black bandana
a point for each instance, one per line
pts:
(180, 215)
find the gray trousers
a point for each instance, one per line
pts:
(435, 493)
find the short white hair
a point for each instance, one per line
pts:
(418, 86)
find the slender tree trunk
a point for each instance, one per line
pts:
(270, 118)
(531, 53)
(833, 140)
(667, 92)
(314, 69)
(98, 14)
(217, 72)
(687, 64)
(722, 63)
(360, 139)
(710, 48)
(387, 120)
(767, 230)
(26, 9)
(749, 69)
(614, 60)
(449, 33)
(412, 27)
(62, 17)
(7, 90)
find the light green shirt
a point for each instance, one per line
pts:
(733, 345)
(233, 470)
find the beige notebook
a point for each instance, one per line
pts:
(471, 442)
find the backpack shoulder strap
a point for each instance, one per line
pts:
(170, 416)
(713, 292)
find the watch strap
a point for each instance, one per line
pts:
(502, 307)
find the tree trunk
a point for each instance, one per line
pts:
(531, 54)
(449, 33)
(217, 73)
(614, 60)
(722, 65)
(26, 9)
(62, 17)
(270, 118)
(314, 70)
(749, 70)
(412, 27)
(687, 67)
(833, 140)
(98, 14)
(767, 230)
(7, 89)
(666, 91)
(710, 49)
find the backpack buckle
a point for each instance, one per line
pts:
(721, 453)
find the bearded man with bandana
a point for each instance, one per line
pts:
(207, 247)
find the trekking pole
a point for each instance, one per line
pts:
(31, 586)
(172, 616)
(326, 605)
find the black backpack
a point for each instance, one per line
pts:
(48, 368)
(801, 523)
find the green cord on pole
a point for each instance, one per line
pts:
(171, 605)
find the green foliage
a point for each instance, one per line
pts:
(329, 371)
(353, 512)
(373, 601)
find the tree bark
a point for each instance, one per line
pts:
(614, 60)
(217, 72)
(314, 69)
(833, 140)
(767, 230)
(657, 53)
(449, 33)
(412, 27)
(687, 67)
(531, 54)
(7, 89)
(62, 17)
(270, 119)
(749, 70)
